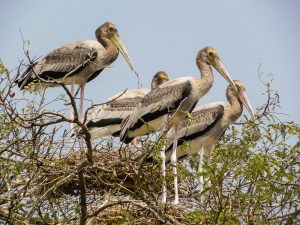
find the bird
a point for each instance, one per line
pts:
(168, 105)
(105, 119)
(78, 62)
(200, 132)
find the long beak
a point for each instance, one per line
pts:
(119, 44)
(246, 103)
(217, 64)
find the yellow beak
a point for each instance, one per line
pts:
(217, 64)
(246, 103)
(119, 44)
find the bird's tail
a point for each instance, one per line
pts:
(26, 77)
(124, 128)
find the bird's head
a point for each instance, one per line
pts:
(109, 31)
(210, 56)
(159, 78)
(241, 94)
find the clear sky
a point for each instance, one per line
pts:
(166, 35)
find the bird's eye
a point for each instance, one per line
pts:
(111, 29)
(211, 54)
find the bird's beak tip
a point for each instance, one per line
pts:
(118, 42)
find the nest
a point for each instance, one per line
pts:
(137, 213)
(109, 170)
(120, 170)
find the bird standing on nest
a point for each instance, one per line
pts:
(168, 105)
(201, 131)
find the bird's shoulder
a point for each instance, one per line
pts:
(177, 81)
(131, 93)
(129, 100)
(171, 90)
(77, 49)
(122, 101)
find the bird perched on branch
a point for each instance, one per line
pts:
(76, 63)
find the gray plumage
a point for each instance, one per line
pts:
(168, 105)
(206, 125)
(105, 119)
(76, 63)
(72, 63)
(174, 99)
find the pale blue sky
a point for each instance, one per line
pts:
(166, 35)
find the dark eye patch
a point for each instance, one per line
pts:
(211, 54)
(112, 29)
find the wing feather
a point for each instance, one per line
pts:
(68, 59)
(115, 109)
(201, 121)
(158, 102)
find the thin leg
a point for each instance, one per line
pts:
(82, 86)
(174, 161)
(81, 110)
(200, 167)
(71, 112)
(72, 90)
(163, 171)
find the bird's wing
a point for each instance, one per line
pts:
(131, 93)
(115, 109)
(156, 103)
(200, 121)
(66, 60)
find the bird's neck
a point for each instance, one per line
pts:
(235, 108)
(206, 76)
(111, 51)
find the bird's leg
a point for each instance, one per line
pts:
(200, 167)
(71, 113)
(81, 110)
(72, 90)
(200, 170)
(82, 86)
(174, 161)
(71, 110)
(163, 171)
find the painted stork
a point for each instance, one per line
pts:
(105, 119)
(206, 125)
(77, 63)
(168, 105)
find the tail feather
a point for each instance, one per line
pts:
(26, 77)
(124, 128)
